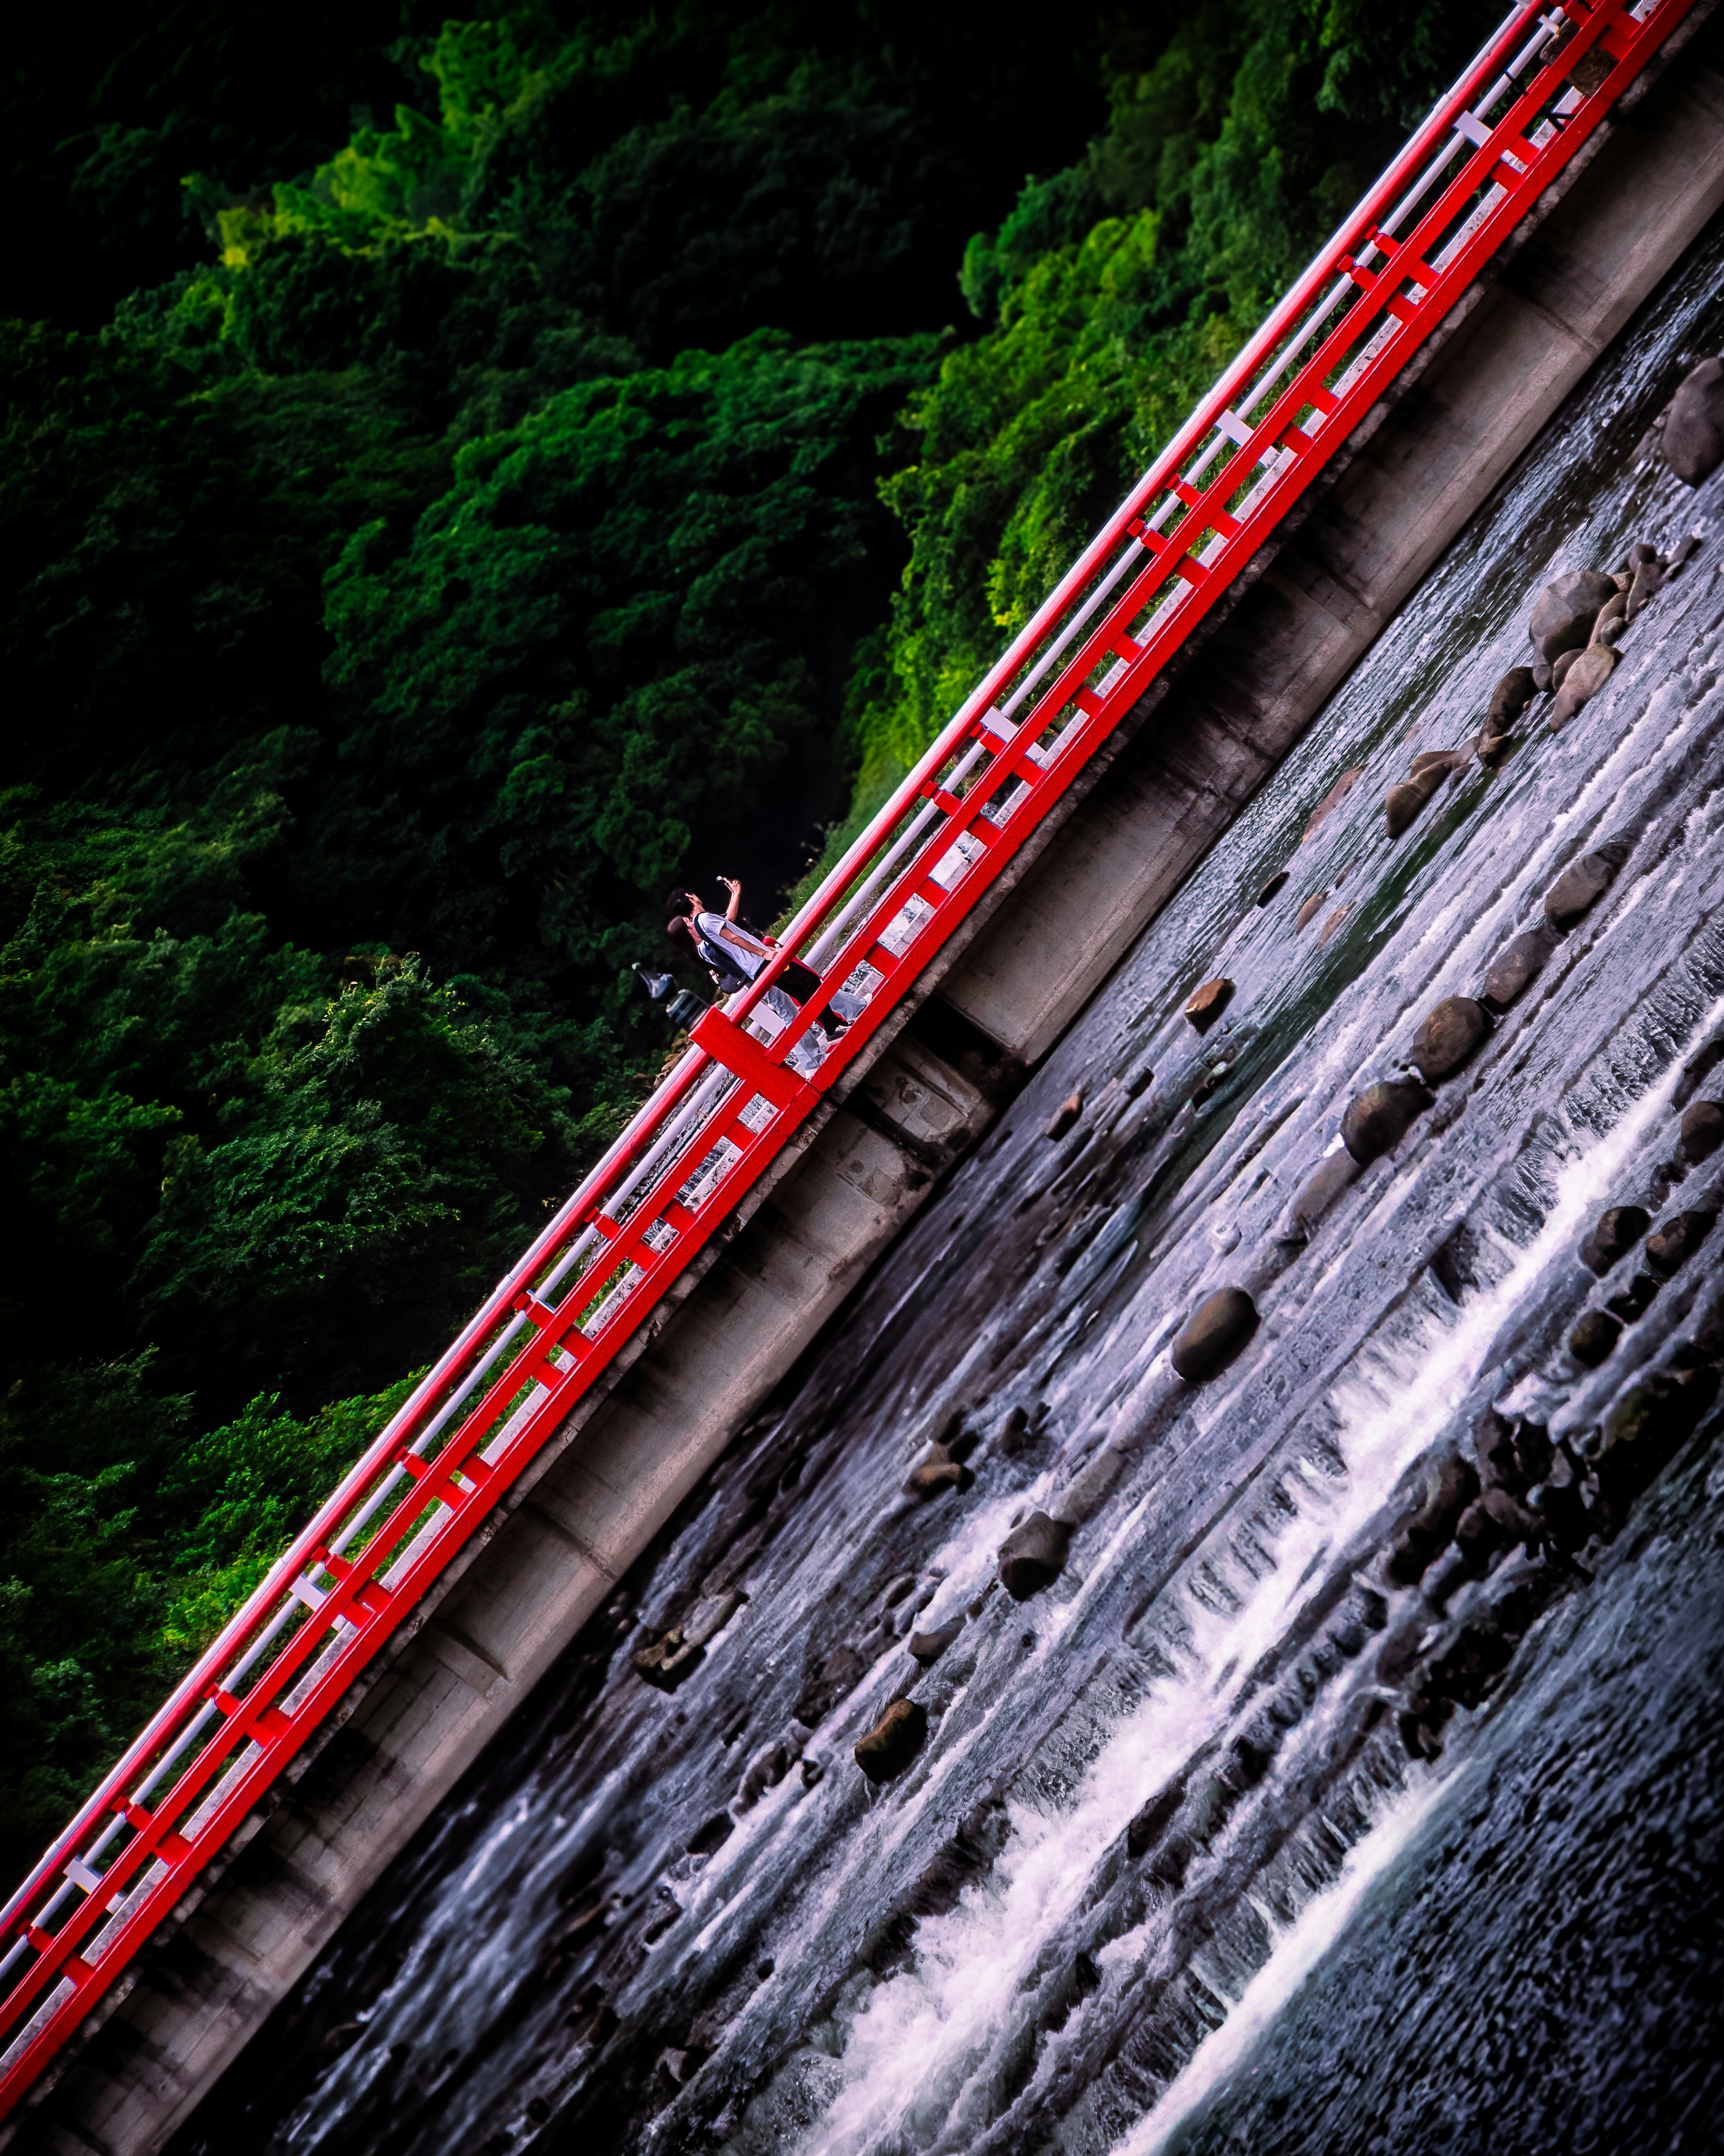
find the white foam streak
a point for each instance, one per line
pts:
(1297, 1952)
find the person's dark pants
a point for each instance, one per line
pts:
(800, 981)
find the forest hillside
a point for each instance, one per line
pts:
(459, 475)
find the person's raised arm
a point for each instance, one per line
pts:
(735, 888)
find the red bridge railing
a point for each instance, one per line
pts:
(755, 1072)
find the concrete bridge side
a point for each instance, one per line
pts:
(1193, 752)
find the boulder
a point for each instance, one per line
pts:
(1636, 1299)
(1510, 696)
(1649, 582)
(1032, 1556)
(1441, 760)
(936, 1472)
(765, 1771)
(928, 1647)
(1611, 615)
(1541, 675)
(1308, 912)
(1583, 883)
(1449, 1487)
(1214, 1333)
(1594, 1338)
(1208, 1003)
(1330, 801)
(1677, 1241)
(894, 1741)
(1613, 1235)
(1563, 667)
(894, 1590)
(1493, 748)
(1515, 966)
(1447, 1036)
(1326, 1182)
(1065, 1115)
(1702, 1130)
(1273, 887)
(1380, 1117)
(1403, 803)
(668, 1661)
(1583, 681)
(1332, 923)
(1646, 1426)
(1565, 610)
(1697, 1069)
(1493, 1522)
(1693, 437)
(1494, 1447)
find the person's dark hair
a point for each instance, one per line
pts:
(678, 928)
(676, 902)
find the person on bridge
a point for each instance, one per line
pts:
(735, 954)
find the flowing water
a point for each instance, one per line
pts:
(1200, 1850)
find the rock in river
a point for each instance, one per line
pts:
(1447, 1036)
(1583, 883)
(1032, 1556)
(894, 1741)
(1566, 610)
(1208, 1003)
(1702, 1130)
(1581, 682)
(1213, 1334)
(1380, 1117)
(1615, 1234)
(1677, 1240)
(1515, 965)
(1065, 1115)
(1594, 1339)
(1693, 438)
(1510, 696)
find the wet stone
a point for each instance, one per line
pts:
(1402, 804)
(1581, 682)
(1615, 1232)
(1511, 695)
(1594, 1337)
(1636, 1299)
(1448, 1489)
(1563, 668)
(1702, 1130)
(1649, 582)
(1493, 1522)
(1380, 1117)
(1065, 1115)
(1611, 615)
(1308, 912)
(894, 1741)
(1447, 1036)
(1582, 883)
(928, 1647)
(1327, 1183)
(1515, 965)
(1564, 613)
(1677, 1240)
(936, 1473)
(1331, 802)
(1693, 436)
(1208, 1003)
(1032, 1556)
(1274, 886)
(1214, 1333)
(1697, 1069)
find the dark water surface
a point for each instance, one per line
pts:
(1189, 1851)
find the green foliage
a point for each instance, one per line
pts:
(1116, 291)
(124, 1548)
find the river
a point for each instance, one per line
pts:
(1198, 1852)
